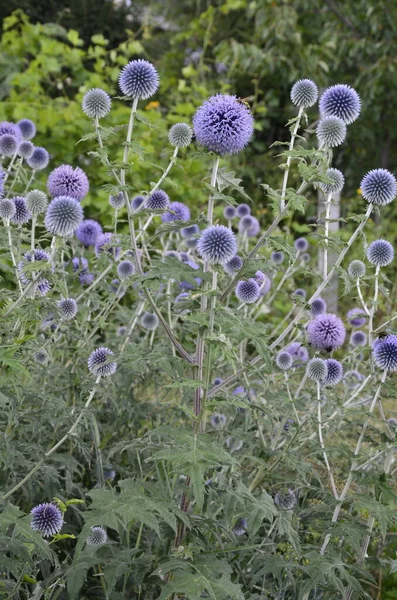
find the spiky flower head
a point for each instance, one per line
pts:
(299, 292)
(188, 232)
(39, 255)
(180, 212)
(334, 372)
(380, 253)
(47, 519)
(8, 144)
(218, 420)
(158, 200)
(137, 202)
(41, 357)
(125, 269)
(98, 537)
(67, 181)
(39, 159)
(340, 101)
(326, 332)
(379, 187)
(298, 352)
(79, 263)
(277, 257)
(316, 369)
(63, 216)
(358, 338)
(180, 135)
(264, 282)
(356, 269)
(336, 184)
(301, 244)
(7, 209)
(217, 244)
(254, 230)
(331, 132)
(150, 321)
(96, 103)
(117, 201)
(284, 360)
(318, 307)
(86, 278)
(240, 527)
(25, 149)
(27, 128)
(98, 362)
(22, 214)
(384, 351)
(304, 93)
(36, 202)
(247, 291)
(243, 210)
(106, 242)
(223, 124)
(67, 308)
(217, 381)
(285, 499)
(139, 79)
(233, 265)
(229, 212)
(356, 317)
(8, 128)
(246, 223)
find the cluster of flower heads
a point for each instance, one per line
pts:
(15, 140)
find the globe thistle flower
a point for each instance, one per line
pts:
(39, 159)
(380, 253)
(358, 338)
(234, 444)
(22, 214)
(180, 135)
(181, 297)
(88, 232)
(304, 93)
(36, 202)
(254, 230)
(356, 317)
(139, 79)
(356, 269)
(288, 424)
(392, 421)
(217, 244)
(63, 216)
(285, 499)
(243, 210)
(217, 381)
(25, 149)
(97, 538)
(301, 244)
(326, 332)
(305, 258)
(340, 101)
(7, 128)
(299, 292)
(247, 291)
(125, 269)
(104, 243)
(317, 369)
(336, 184)
(68, 308)
(79, 263)
(277, 257)
(188, 232)
(218, 421)
(284, 360)
(7, 209)
(240, 527)
(229, 212)
(137, 202)
(264, 282)
(318, 307)
(96, 103)
(298, 352)
(86, 278)
(150, 321)
(117, 201)
(331, 132)
(180, 212)
(379, 187)
(47, 519)
(98, 362)
(334, 372)
(384, 352)
(233, 265)
(2, 175)
(40, 256)
(27, 129)
(66, 181)
(246, 223)
(121, 331)
(158, 200)
(223, 124)
(8, 144)
(41, 357)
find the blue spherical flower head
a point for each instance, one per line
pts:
(86, 278)
(150, 321)
(356, 317)
(67, 308)
(7, 209)
(298, 352)
(47, 519)
(39, 159)
(79, 263)
(336, 184)
(331, 132)
(137, 202)
(264, 282)
(7, 128)
(40, 256)
(217, 381)
(97, 538)
(304, 93)
(180, 135)
(223, 124)
(285, 499)
(217, 244)
(358, 338)
(63, 216)
(22, 214)
(326, 332)
(98, 362)
(139, 79)
(66, 181)
(125, 269)
(88, 232)
(384, 351)
(8, 144)
(229, 212)
(301, 244)
(356, 269)
(248, 291)
(117, 201)
(379, 187)
(188, 232)
(255, 228)
(243, 210)
(299, 292)
(233, 265)
(277, 257)
(380, 253)
(180, 212)
(318, 307)
(107, 243)
(246, 223)
(27, 128)
(158, 200)
(218, 421)
(96, 103)
(284, 360)
(316, 369)
(36, 202)
(334, 372)
(25, 149)
(340, 101)
(240, 527)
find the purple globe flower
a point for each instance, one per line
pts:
(218, 421)
(97, 538)
(27, 129)
(229, 212)
(40, 256)
(264, 282)
(180, 212)
(22, 214)
(336, 184)
(318, 307)
(104, 243)
(331, 132)
(223, 124)
(125, 269)
(340, 101)
(7, 209)
(243, 210)
(316, 369)
(96, 103)
(86, 278)
(334, 372)
(326, 332)
(39, 159)
(137, 202)
(25, 149)
(217, 244)
(299, 292)
(285, 499)
(379, 187)
(384, 351)
(356, 269)
(10, 128)
(358, 338)
(117, 201)
(217, 381)
(246, 223)
(180, 135)
(298, 352)
(380, 253)
(301, 244)
(139, 79)
(284, 360)
(67, 308)
(79, 263)
(43, 286)
(47, 519)
(247, 291)
(233, 265)
(63, 216)
(254, 230)
(66, 181)
(356, 317)
(88, 232)
(98, 362)
(240, 527)
(8, 144)
(188, 232)
(158, 200)
(277, 257)
(150, 321)
(304, 93)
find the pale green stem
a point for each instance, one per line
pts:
(321, 439)
(326, 234)
(373, 308)
(9, 168)
(133, 322)
(289, 158)
(11, 250)
(31, 179)
(210, 212)
(365, 307)
(291, 398)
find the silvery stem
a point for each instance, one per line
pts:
(289, 158)
(326, 233)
